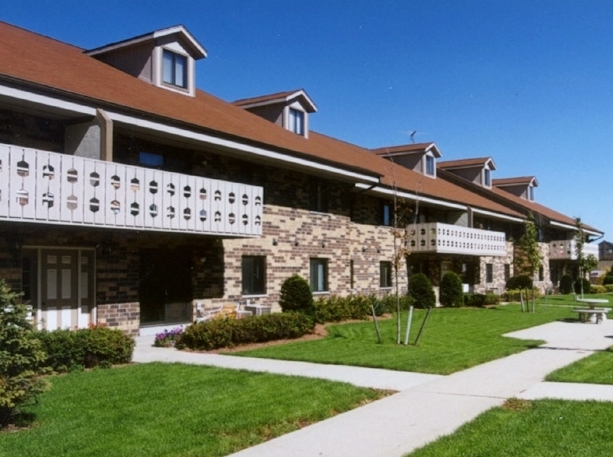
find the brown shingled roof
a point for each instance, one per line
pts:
(464, 163)
(66, 71)
(514, 181)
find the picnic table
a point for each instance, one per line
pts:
(591, 313)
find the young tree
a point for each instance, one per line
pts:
(530, 259)
(586, 264)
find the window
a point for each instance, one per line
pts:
(541, 273)
(319, 196)
(296, 121)
(507, 271)
(174, 69)
(254, 275)
(489, 272)
(487, 177)
(319, 275)
(387, 214)
(148, 159)
(430, 165)
(385, 274)
(351, 275)
(531, 193)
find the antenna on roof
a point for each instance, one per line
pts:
(412, 135)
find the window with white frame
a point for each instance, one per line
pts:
(487, 177)
(296, 121)
(253, 275)
(430, 168)
(174, 69)
(531, 193)
(319, 275)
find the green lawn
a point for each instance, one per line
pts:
(543, 428)
(166, 410)
(595, 369)
(453, 339)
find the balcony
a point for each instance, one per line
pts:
(567, 250)
(45, 187)
(440, 238)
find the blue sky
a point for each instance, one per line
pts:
(526, 82)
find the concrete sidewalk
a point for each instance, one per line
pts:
(426, 406)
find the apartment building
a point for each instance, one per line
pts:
(131, 198)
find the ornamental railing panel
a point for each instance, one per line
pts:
(52, 188)
(436, 237)
(567, 250)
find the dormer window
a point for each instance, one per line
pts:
(419, 157)
(430, 168)
(165, 58)
(487, 177)
(296, 121)
(174, 69)
(289, 110)
(531, 193)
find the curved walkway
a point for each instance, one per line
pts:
(426, 406)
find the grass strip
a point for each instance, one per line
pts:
(453, 339)
(595, 369)
(543, 428)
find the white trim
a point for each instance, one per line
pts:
(151, 36)
(402, 194)
(44, 100)
(574, 228)
(156, 126)
(497, 215)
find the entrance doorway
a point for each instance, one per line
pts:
(165, 288)
(59, 283)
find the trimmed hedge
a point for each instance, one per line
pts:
(420, 288)
(353, 307)
(481, 300)
(566, 284)
(451, 293)
(221, 333)
(69, 350)
(296, 295)
(586, 286)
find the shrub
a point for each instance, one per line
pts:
(566, 284)
(220, 333)
(598, 289)
(296, 295)
(608, 279)
(451, 290)
(21, 357)
(520, 282)
(69, 350)
(474, 300)
(492, 299)
(337, 309)
(420, 288)
(609, 287)
(586, 286)
(387, 304)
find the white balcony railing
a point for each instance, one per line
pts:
(452, 239)
(567, 250)
(46, 187)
